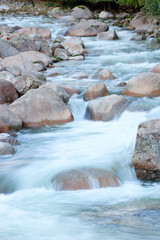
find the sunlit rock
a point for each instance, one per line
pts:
(145, 84)
(97, 90)
(106, 108)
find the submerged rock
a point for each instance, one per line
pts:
(86, 28)
(84, 178)
(6, 148)
(146, 157)
(5, 137)
(97, 90)
(106, 108)
(104, 74)
(143, 84)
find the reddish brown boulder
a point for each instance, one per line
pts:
(7, 92)
(84, 178)
(97, 90)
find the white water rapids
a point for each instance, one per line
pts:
(31, 209)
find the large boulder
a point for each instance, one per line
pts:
(80, 12)
(156, 69)
(104, 74)
(84, 178)
(138, 21)
(97, 90)
(109, 35)
(146, 157)
(8, 92)
(86, 28)
(30, 31)
(147, 28)
(106, 108)
(40, 107)
(105, 15)
(143, 84)
(6, 49)
(8, 120)
(6, 148)
(27, 61)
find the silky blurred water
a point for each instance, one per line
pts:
(30, 208)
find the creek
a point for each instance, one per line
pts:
(31, 208)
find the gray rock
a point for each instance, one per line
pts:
(105, 15)
(26, 82)
(9, 121)
(105, 108)
(146, 157)
(138, 37)
(40, 107)
(80, 12)
(109, 35)
(6, 149)
(5, 137)
(16, 71)
(6, 49)
(143, 84)
(26, 60)
(23, 43)
(87, 28)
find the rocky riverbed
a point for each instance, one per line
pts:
(73, 90)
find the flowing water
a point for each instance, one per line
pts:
(31, 209)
